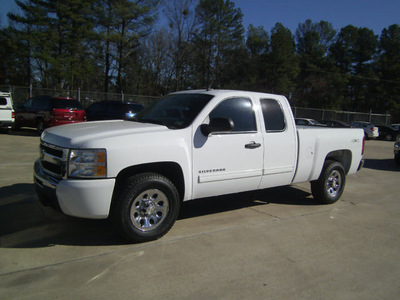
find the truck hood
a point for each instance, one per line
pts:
(84, 134)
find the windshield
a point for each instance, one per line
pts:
(174, 111)
(134, 107)
(66, 104)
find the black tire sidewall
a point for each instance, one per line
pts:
(132, 188)
(40, 126)
(318, 187)
(397, 159)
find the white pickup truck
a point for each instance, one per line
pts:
(189, 145)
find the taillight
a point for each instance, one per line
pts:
(363, 146)
(13, 115)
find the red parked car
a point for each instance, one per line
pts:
(41, 112)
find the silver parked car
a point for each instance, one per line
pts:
(370, 130)
(307, 122)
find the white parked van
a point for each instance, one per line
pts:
(7, 116)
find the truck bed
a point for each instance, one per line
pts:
(315, 144)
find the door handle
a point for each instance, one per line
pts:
(252, 145)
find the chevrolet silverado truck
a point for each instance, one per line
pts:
(188, 145)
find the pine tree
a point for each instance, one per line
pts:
(258, 44)
(221, 32)
(182, 25)
(389, 70)
(316, 81)
(353, 53)
(282, 61)
(132, 21)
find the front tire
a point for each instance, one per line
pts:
(330, 184)
(397, 159)
(146, 207)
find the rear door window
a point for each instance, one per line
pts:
(274, 119)
(28, 103)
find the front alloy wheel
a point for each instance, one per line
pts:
(149, 210)
(145, 207)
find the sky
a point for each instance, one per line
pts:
(373, 14)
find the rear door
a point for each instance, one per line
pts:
(280, 143)
(25, 114)
(229, 162)
(5, 110)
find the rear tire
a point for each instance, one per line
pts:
(40, 126)
(16, 126)
(330, 184)
(146, 207)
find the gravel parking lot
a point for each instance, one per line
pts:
(271, 244)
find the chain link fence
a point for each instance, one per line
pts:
(344, 116)
(21, 94)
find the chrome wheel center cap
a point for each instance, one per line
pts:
(148, 207)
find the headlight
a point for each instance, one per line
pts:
(87, 163)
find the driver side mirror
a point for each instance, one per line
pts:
(217, 125)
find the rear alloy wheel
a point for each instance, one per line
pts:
(146, 207)
(330, 184)
(388, 137)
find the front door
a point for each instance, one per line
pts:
(229, 162)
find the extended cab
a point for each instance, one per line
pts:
(189, 145)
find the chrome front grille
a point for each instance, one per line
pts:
(53, 160)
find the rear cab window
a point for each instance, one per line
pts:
(3, 101)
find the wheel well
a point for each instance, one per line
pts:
(342, 156)
(170, 170)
